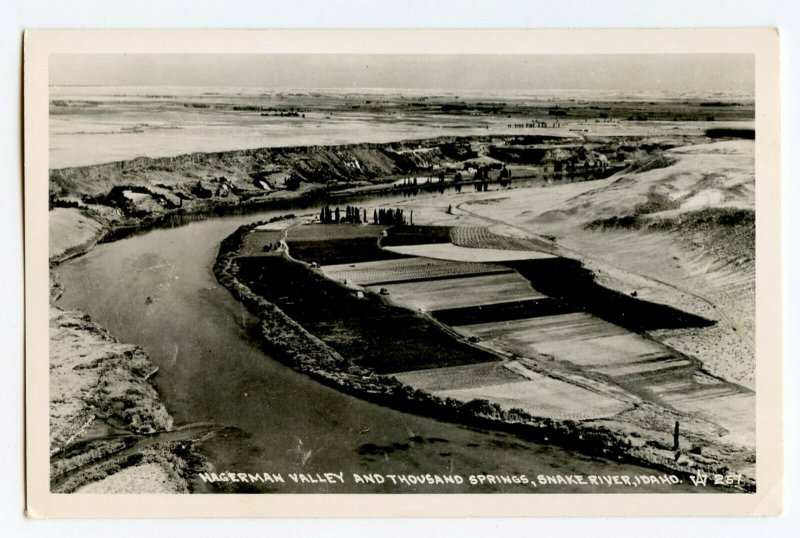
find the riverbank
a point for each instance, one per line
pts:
(641, 435)
(106, 416)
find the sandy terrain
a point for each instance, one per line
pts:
(671, 253)
(92, 377)
(146, 478)
(101, 403)
(71, 232)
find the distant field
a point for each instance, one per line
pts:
(406, 269)
(320, 232)
(448, 251)
(461, 292)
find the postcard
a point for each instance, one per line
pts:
(402, 273)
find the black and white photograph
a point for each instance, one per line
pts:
(406, 272)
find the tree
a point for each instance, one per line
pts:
(293, 182)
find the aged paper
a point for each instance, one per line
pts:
(402, 273)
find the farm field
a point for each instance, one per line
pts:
(483, 237)
(367, 330)
(604, 350)
(545, 397)
(323, 232)
(259, 242)
(583, 340)
(633, 362)
(512, 298)
(331, 244)
(340, 251)
(578, 325)
(503, 311)
(461, 292)
(449, 251)
(535, 393)
(415, 235)
(459, 377)
(405, 270)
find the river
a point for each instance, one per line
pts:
(211, 370)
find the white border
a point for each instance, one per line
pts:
(762, 42)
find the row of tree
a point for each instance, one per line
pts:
(352, 214)
(390, 217)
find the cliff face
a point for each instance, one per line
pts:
(314, 164)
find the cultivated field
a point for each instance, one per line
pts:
(544, 397)
(483, 238)
(323, 232)
(461, 292)
(406, 269)
(502, 311)
(366, 329)
(459, 377)
(448, 251)
(469, 284)
(578, 325)
(635, 363)
(340, 251)
(260, 243)
(534, 393)
(603, 350)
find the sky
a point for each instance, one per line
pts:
(624, 72)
